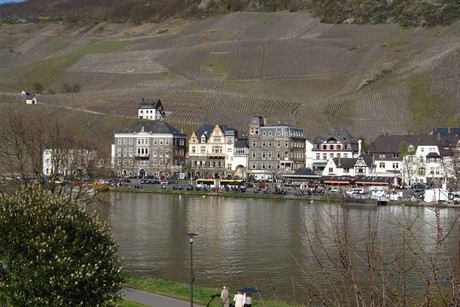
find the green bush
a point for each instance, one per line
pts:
(56, 254)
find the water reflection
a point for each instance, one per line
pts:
(255, 242)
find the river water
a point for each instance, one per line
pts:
(275, 245)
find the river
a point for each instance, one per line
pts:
(275, 245)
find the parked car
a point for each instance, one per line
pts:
(418, 193)
(355, 191)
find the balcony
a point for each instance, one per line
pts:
(142, 156)
(216, 155)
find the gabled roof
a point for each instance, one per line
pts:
(154, 127)
(392, 143)
(345, 162)
(207, 130)
(341, 135)
(351, 162)
(151, 104)
(30, 96)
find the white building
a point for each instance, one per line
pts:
(330, 145)
(68, 162)
(413, 158)
(360, 166)
(151, 109)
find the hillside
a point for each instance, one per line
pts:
(287, 66)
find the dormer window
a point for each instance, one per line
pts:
(203, 139)
(411, 148)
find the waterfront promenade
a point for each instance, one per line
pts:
(153, 300)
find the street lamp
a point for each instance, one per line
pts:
(191, 235)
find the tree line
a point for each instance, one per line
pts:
(404, 12)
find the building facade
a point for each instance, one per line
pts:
(151, 109)
(211, 151)
(148, 149)
(274, 150)
(330, 145)
(414, 158)
(69, 162)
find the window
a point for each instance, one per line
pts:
(331, 169)
(324, 156)
(421, 171)
(382, 164)
(263, 154)
(395, 165)
(253, 154)
(318, 156)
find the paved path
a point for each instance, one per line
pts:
(153, 300)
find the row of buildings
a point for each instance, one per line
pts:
(153, 148)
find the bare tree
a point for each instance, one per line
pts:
(358, 272)
(45, 149)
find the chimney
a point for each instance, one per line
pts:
(359, 148)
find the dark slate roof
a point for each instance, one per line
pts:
(207, 129)
(30, 95)
(448, 136)
(345, 162)
(341, 135)
(367, 159)
(351, 162)
(433, 155)
(150, 104)
(392, 143)
(241, 144)
(445, 132)
(153, 126)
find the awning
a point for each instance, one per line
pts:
(319, 164)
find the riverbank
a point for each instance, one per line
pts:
(329, 198)
(181, 291)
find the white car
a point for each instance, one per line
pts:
(355, 191)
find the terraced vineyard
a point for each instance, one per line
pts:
(288, 67)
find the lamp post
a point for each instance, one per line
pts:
(191, 235)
